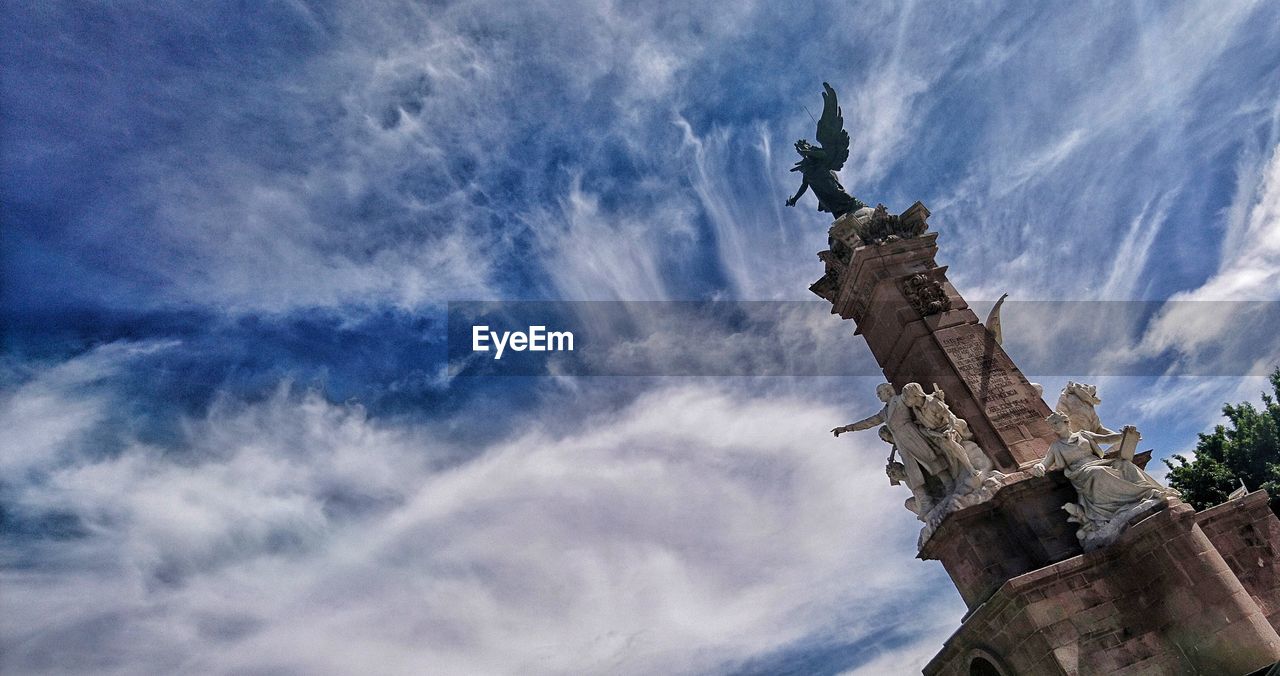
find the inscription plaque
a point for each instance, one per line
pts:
(991, 376)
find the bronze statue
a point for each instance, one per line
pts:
(818, 166)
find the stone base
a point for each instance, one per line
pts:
(1021, 528)
(991, 483)
(1109, 533)
(1160, 600)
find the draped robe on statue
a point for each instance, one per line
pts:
(1105, 487)
(909, 440)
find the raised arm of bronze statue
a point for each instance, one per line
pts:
(804, 185)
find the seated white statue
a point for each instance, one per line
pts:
(1107, 489)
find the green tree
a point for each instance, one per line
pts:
(1246, 448)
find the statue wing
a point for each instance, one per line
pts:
(993, 320)
(831, 133)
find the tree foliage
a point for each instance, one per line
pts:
(1246, 448)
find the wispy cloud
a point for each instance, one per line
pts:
(1081, 163)
(1250, 270)
(697, 527)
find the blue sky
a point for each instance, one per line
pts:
(230, 235)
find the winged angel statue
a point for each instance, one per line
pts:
(818, 166)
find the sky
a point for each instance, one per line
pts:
(231, 234)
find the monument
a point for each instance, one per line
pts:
(1069, 556)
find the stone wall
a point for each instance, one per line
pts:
(1247, 534)
(1021, 529)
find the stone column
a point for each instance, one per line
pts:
(921, 330)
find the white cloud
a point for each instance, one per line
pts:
(1201, 321)
(880, 118)
(61, 397)
(1088, 155)
(1250, 266)
(699, 526)
(930, 633)
(594, 254)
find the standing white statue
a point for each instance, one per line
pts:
(941, 464)
(897, 471)
(918, 455)
(940, 461)
(949, 435)
(1111, 492)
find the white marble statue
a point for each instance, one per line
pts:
(950, 435)
(981, 463)
(1077, 401)
(1110, 492)
(941, 464)
(918, 454)
(895, 470)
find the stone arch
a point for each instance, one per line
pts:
(983, 663)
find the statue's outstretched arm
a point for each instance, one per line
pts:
(864, 424)
(804, 185)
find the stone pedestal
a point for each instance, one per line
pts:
(1021, 529)
(1161, 600)
(1247, 535)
